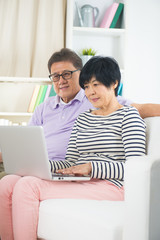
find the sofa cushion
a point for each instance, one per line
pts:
(80, 219)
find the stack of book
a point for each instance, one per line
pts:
(40, 94)
(112, 16)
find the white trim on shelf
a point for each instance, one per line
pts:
(114, 32)
(24, 80)
(16, 114)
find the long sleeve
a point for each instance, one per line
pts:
(133, 135)
(133, 138)
(56, 165)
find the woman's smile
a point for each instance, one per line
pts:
(94, 99)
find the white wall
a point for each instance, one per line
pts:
(142, 79)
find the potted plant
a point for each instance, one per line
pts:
(86, 54)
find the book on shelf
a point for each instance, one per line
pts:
(47, 92)
(112, 15)
(33, 98)
(52, 92)
(5, 122)
(40, 94)
(43, 94)
(109, 15)
(117, 15)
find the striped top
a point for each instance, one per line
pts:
(105, 141)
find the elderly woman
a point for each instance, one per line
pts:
(101, 141)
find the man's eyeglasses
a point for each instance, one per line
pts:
(65, 75)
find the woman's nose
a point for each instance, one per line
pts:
(91, 91)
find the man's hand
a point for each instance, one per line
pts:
(83, 169)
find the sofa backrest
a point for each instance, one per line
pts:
(153, 136)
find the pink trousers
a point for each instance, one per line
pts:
(20, 198)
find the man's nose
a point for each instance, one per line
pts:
(61, 80)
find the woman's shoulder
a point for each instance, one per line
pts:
(129, 109)
(131, 114)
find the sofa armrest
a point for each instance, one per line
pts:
(142, 198)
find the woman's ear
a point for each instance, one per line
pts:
(115, 85)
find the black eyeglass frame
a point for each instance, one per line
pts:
(62, 75)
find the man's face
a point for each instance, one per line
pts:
(66, 89)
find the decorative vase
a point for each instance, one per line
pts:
(85, 58)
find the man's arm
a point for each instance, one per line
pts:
(147, 109)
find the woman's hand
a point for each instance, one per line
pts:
(83, 169)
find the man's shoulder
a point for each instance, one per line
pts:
(38, 113)
(124, 101)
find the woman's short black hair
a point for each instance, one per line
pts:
(104, 69)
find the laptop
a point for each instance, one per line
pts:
(24, 153)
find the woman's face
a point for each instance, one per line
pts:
(98, 94)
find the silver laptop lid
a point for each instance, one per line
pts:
(24, 151)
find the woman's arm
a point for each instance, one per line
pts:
(133, 138)
(62, 164)
(133, 134)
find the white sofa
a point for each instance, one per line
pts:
(136, 218)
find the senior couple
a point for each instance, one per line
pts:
(88, 130)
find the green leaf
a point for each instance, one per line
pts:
(88, 51)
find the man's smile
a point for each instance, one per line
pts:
(63, 87)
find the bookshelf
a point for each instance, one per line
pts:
(16, 93)
(107, 42)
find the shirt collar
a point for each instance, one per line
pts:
(79, 97)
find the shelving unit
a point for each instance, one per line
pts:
(107, 42)
(16, 93)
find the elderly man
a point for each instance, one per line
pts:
(57, 114)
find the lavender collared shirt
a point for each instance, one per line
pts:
(58, 119)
